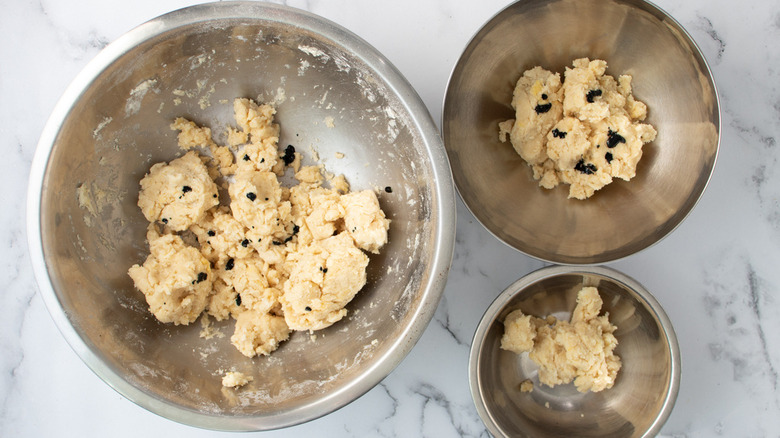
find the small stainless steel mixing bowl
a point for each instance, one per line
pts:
(645, 388)
(670, 75)
(335, 95)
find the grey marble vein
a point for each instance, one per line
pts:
(758, 294)
(705, 25)
(435, 400)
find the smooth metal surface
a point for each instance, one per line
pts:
(669, 74)
(112, 124)
(646, 386)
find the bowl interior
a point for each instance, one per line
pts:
(646, 385)
(193, 63)
(669, 74)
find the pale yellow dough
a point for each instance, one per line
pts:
(581, 350)
(526, 386)
(583, 131)
(178, 193)
(274, 258)
(235, 379)
(325, 276)
(175, 278)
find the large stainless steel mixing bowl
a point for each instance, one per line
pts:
(669, 74)
(645, 388)
(112, 123)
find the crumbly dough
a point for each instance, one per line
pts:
(364, 220)
(325, 276)
(274, 258)
(526, 386)
(259, 332)
(581, 350)
(175, 278)
(178, 193)
(235, 379)
(583, 131)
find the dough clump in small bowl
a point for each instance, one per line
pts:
(581, 350)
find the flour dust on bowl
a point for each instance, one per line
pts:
(643, 392)
(340, 103)
(669, 74)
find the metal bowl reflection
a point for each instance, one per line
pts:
(113, 122)
(669, 74)
(646, 386)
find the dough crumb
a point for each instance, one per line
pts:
(235, 379)
(207, 330)
(526, 386)
(581, 350)
(583, 131)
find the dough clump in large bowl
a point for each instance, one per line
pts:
(274, 258)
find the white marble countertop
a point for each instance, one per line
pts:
(713, 275)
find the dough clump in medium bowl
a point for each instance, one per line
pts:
(583, 131)
(581, 350)
(275, 258)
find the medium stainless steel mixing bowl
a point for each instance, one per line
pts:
(645, 388)
(669, 74)
(334, 94)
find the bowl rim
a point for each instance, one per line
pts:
(443, 197)
(516, 288)
(700, 58)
